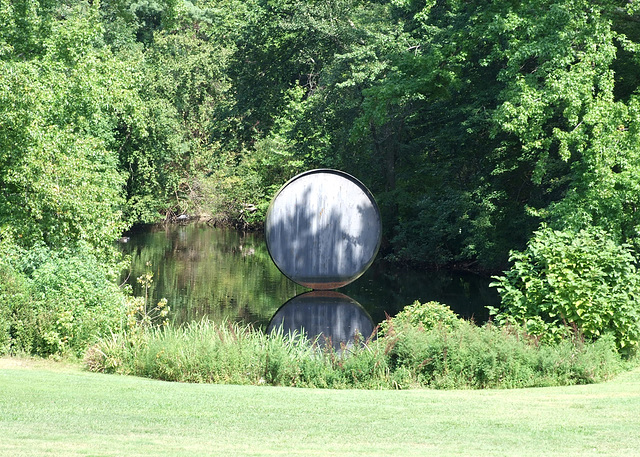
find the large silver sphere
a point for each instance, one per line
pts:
(323, 229)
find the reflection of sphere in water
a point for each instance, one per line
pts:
(323, 229)
(330, 314)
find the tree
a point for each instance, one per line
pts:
(58, 110)
(62, 96)
(504, 107)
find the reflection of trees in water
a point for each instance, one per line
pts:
(210, 272)
(386, 289)
(229, 274)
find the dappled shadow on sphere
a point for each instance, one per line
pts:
(323, 229)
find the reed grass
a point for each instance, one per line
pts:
(464, 356)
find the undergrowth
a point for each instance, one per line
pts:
(231, 353)
(409, 354)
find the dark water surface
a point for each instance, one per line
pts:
(227, 274)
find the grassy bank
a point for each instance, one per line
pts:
(51, 410)
(410, 355)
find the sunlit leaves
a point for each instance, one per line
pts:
(471, 121)
(573, 283)
(58, 112)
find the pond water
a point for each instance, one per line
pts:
(227, 274)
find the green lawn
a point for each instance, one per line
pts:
(48, 409)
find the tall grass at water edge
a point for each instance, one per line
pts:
(460, 356)
(236, 354)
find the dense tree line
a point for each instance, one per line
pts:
(472, 122)
(477, 125)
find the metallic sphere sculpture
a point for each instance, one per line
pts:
(323, 229)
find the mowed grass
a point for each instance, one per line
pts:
(48, 409)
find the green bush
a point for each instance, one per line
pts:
(567, 284)
(232, 353)
(424, 315)
(490, 357)
(54, 303)
(9, 292)
(17, 318)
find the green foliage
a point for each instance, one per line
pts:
(141, 314)
(456, 356)
(426, 316)
(496, 112)
(569, 282)
(230, 353)
(55, 302)
(488, 357)
(62, 98)
(471, 122)
(14, 295)
(233, 196)
(58, 110)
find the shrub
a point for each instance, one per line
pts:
(460, 356)
(233, 353)
(11, 292)
(424, 315)
(56, 302)
(490, 357)
(568, 283)
(17, 317)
